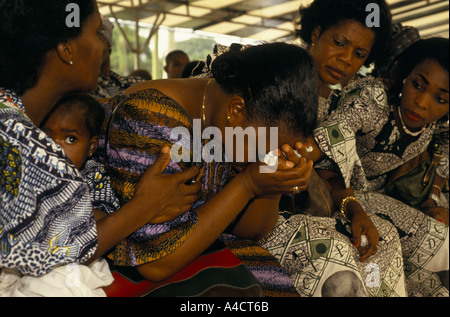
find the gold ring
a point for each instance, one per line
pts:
(296, 190)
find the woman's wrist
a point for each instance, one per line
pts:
(243, 179)
(350, 207)
(141, 211)
(433, 199)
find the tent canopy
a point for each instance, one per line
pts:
(260, 19)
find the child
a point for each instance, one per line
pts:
(74, 124)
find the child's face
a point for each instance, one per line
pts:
(176, 66)
(67, 128)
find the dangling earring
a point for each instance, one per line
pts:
(71, 62)
(228, 118)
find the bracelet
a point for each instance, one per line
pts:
(344, 204)
(435, 198)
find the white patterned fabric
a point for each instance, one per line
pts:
(321, 260)
(46, 217)
(363, 143)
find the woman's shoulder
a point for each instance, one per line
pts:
(367, 90)
(162, 85)
(364, 82)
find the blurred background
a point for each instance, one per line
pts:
(147, 30)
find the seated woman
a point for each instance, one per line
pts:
(236, 197)
(46, 213)
(374, 131)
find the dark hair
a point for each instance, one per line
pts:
(93, 111)
(141, 73)
(32, 28)
(192, 69)
(174, 53)
(278, 82)
(436, 48)
(327, 13)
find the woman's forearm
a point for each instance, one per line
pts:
(260, 216)
(115, 227)
(214, 217)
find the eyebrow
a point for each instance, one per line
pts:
(347, 41)
(424, 79)
(426, 82)
(70, 131)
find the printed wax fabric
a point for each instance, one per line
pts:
(46, 217)
(361, 141)
(142, 123)
(360, 136)
(102, 194)
(318, 255)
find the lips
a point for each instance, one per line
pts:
(413, 116)
(335, 73)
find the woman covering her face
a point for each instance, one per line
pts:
(240, 95)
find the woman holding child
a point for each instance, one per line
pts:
(47, 218)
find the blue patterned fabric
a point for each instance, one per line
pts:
(46, 215)
(102, 193)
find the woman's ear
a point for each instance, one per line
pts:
(65, 53)
(237, 111)
(317, 31)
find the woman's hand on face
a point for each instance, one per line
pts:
(291, 157)
(362, 225)
(165, 197)
(290, 172)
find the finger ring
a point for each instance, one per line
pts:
(296, 190)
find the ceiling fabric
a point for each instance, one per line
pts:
(267, 20)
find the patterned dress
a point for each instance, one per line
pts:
(364, 144)
(139, 125)
(46, 217)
